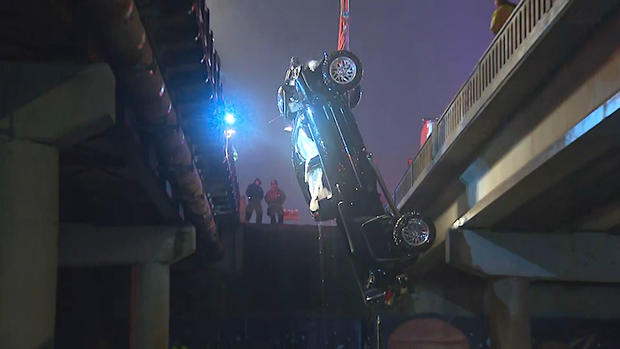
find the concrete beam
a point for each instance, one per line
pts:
(28, 239)
(460, 296)
(456, 293)
(603, 219)
(587, 257)
(450, 292)
(596, 134)
(86, 245)
(74, 110)
(574, 300)
(509, 316)
(151, 309)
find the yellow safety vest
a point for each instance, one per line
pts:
(500, 16)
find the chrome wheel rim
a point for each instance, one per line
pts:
(342, 70)
(416, 233)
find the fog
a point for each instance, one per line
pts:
(415, 54)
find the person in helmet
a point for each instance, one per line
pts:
(254, 192)
(501, 14)
(275, 198)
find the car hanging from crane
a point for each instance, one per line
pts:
(339, 177)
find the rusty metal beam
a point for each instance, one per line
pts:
(126, 42)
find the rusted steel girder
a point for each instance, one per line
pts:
(126, 43)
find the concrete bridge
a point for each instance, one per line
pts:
(520, 174)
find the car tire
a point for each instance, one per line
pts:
(413, 233)
(342, 71)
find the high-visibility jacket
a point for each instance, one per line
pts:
(275, 198)
(500, 16)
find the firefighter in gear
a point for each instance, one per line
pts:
(501, 14)
(254, 192)
(275, 203)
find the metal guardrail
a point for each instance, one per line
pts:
(403, 185)
(223, 198)
(526, 16)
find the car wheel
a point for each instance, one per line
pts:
(342, 71)
(413, 233)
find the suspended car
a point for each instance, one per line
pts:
(338, 176)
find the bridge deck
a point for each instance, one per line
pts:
(530, 142)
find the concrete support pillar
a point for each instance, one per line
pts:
(28, 244)
(508, 310)
(151, 306)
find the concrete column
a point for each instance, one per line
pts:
(28, 244)
(151, 313)
(508, 310)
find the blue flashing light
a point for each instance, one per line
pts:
(230, 118)
(229, 132)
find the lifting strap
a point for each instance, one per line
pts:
(343, 29)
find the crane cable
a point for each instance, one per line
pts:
(343, 28)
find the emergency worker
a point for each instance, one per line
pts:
(254, 192)
(275, 203)
(501, 14)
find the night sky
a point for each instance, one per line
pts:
(415, 54)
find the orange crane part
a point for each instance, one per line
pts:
(343, 28)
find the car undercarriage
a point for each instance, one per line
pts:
(339, 178)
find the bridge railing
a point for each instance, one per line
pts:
(489, 70)
(403, 185)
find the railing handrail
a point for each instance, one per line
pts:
(522, 21)
(484, 55)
